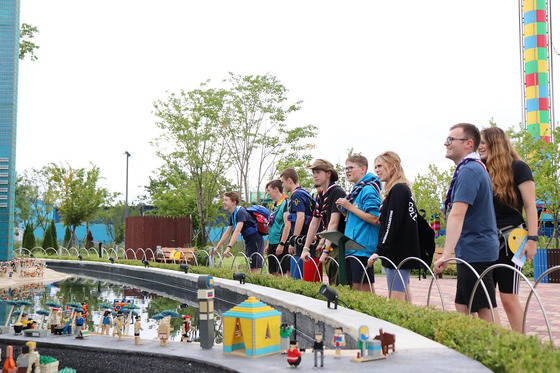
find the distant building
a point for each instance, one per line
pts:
(9, 64)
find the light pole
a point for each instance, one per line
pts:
(126, 195)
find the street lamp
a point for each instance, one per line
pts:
(126, 195)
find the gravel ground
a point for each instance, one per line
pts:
(100, 361)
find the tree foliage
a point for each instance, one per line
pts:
(28, 237)
(33, 198)
(78, 196)
(195, 154)
(26, 46)
(256, 128)
(430, 190)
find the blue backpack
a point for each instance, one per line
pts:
(262, 216)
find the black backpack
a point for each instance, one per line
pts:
(426, 238)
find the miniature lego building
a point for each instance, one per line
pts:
(252, 329)
(369, 349)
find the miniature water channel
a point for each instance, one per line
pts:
(96, 296)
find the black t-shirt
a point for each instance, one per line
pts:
(505, 214)
(325, 211)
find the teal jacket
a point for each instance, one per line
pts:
(364, 233)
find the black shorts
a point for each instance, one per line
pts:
(355, 272)
(465, 284)
(274, 259)
(254, 244)
(506, 279)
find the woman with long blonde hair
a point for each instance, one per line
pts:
(514, 191)
(398, 233)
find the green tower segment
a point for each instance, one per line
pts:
(9, 63)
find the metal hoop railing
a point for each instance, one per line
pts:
(246, 260)
(262, 258)
(277, 261)
(483, 286)
(538, 281)
(431, 283)
(364, 274)
(295, 260)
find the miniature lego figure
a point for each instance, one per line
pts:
(106, 322)
(26, 321)
(186, 329)
(118, 325)
(80, 321)
(387, 341)
(318, 348)
(294, 354)
(285, 333)
(164, 330)
(34, 356)
(338, 341)
(137, 328)
(67, 322)
(28, 361)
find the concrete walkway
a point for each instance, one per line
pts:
(535, 324)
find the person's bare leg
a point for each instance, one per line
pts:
(514, 311)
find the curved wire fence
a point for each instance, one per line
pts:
(167, 256)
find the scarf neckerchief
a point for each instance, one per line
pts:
(470, 157)
(358, 188)
(322, 197)
(276, 204)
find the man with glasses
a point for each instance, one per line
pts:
(362, 210)
(471, 225)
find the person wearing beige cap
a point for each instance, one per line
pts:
(326, 216)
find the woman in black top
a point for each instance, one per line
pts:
(514, 191)
(398, 233)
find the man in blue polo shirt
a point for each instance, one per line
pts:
(471, 223)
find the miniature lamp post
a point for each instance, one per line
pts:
(206, 310)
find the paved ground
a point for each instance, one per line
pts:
(535, 324)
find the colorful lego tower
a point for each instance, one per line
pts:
(534, 25)
(252, 329)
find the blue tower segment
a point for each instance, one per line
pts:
(9, 63)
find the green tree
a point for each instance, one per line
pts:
(54, 235)
(256, 127)
(67, 237)
(430, 190)
(26, 46)
(196, 157)
(544, 160)
(78, 195)
(114, 220)
(33, 198)
(28, 237)
(47, 238)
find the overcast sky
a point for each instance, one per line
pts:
(373, 75)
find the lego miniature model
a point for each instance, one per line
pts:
(318, 348)
(164, 331)
(338, 341)
(9, 363)
(369, 349)
(285, 333)
(294, 354)
(67, 322)
(387, 341)
(251, 329)
(18, 328)
(106, 322)
(80, 321)
(28, 361)
(118, 325)
(205, 295)
(186, 329)
(137, 328)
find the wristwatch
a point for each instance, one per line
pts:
(533, 238)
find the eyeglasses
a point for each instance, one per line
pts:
(350, 168)
(450, 139)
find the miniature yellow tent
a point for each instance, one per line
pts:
(252, 328)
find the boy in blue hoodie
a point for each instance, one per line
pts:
(362, 210)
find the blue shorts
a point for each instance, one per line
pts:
(355, 272)
(397, 284)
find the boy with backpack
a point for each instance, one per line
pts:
(300, 211)
(241, 222)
